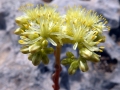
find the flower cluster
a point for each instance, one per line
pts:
(80, 27)
(86, 28)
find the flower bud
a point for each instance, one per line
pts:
(30, 35)
(45, 60)
(24, 50)
(67, 61)
(73, 67)
(85, 53)
(71, 71)
(70, 55)
(49, 50)
(36, 59)
(21, 20)
(34, 48)
(44, 57)
(26, 26)
(83, 65)
(45, 43)
(94, 58)
(30, 56)
(18, 31)
(33, 36)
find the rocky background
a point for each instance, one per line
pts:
(17, 73)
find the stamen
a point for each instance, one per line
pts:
(75, 45)
(100, 50)
(52, 42)
(101, 47)
(21, 42)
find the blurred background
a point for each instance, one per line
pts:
(18, 73)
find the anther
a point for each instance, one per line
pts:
(101, 47)
(100, 50)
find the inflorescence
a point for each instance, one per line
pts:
(80, 27)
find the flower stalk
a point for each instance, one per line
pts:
(56, 74)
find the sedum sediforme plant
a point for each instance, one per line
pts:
(80, 27)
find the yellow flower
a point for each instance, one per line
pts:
(40, 22)
(85, 26)
(80, 27)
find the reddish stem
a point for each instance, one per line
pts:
(55, 75)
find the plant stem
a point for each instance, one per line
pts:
(55, 75)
